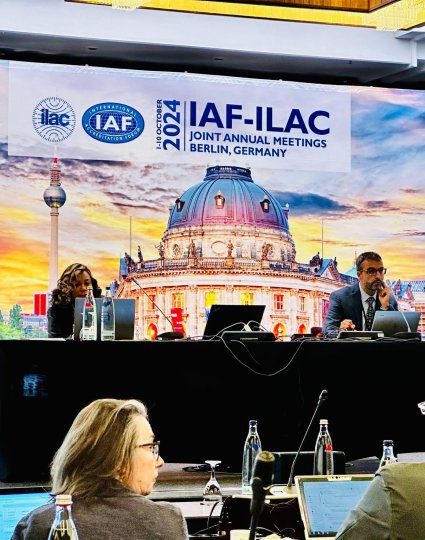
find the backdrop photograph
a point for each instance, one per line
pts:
(342, 165)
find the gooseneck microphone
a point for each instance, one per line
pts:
(165, 335)
(322, 397)
(262, 478)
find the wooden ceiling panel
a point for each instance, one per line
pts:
(380, 14)
(365, 6)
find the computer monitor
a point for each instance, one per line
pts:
(224, 317)
(125, 310)
(17, 502)
(396, 323)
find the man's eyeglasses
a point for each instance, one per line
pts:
(154, 446)
(374, 271)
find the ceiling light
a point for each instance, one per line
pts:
(128, 4)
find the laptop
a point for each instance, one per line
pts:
(326, 500)
(396, 323)
(17, 502)
(125, 310)
(232, 317)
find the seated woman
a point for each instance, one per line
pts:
(73, 283)
(108, 462)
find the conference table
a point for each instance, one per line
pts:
(201, 395)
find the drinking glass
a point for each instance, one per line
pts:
(212, 490)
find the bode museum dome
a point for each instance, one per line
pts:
(228, 241)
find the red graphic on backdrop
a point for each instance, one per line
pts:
(177, 319)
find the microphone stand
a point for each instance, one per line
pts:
(166, 335)
(260, 483)
(322, 397)
(259, 494)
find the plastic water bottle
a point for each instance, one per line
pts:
(63, 526)
(251, 448)
(89, 316)
(323, 451)
(387, 453)
(107, 317)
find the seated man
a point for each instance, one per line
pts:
(353, 307)
(393, 506)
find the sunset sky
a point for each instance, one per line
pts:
(378, 206)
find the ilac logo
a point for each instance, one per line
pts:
(53, 119)
(113, 123)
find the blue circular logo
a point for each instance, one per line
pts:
(113, 123)
(53, 119)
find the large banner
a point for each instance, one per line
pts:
(131, 144)
(152, 117)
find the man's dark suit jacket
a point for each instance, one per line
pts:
(346, 303)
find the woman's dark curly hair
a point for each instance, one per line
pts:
(69, 278)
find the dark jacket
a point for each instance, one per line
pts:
(60, 320)
(119, 514)
(346, 303)
(392, 508)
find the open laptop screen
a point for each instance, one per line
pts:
(125, 309)
(232, 317)
(15, 503)
(395, 322)
(326, 500)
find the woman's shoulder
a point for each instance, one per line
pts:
(131, 501)
(60, 308)
(120, 510)
(38, 521)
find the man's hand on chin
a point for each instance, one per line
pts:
(384, 296)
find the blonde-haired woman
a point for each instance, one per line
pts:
(108, 462)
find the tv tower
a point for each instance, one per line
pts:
(55, 197)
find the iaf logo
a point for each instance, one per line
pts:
(54, 119)
(113, 123)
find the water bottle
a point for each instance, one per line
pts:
(387, 453)
(63, 526)
(107, 318)
(251, 448)
(323, 451)
(89, 330)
